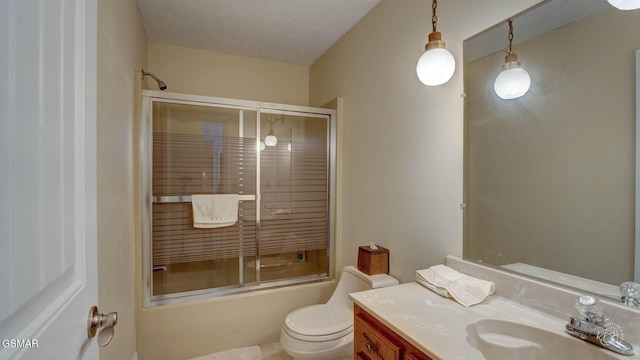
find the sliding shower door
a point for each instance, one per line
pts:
(294, 183)
(279, 163)
(201, 150)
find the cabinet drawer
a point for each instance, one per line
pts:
(372, 344)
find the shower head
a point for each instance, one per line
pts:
(161, 83)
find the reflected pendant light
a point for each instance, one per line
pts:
(625, 4)
(270, 139)
(436, 66)
(513, 81)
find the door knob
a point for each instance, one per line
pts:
(107, 322)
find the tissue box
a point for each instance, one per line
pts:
(372, 262)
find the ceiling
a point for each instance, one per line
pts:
(289, 31)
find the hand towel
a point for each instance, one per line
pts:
(438, 290)
(214, 210)
(465, 289)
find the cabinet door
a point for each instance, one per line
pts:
(416, 356)
(372, 344)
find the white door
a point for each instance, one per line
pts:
(48, 269)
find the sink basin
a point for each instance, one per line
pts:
(501, 339)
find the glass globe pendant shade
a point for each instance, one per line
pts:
(270, 139)
(261, 146)
(513, 81)
(436, 66)
(625, 4)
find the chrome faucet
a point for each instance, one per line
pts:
(592, 327)
(630, 294)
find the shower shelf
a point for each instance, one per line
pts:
(187, 198)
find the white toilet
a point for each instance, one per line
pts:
(325, 331)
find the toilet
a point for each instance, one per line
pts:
(325, 331)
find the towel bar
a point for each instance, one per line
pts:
(187, 198)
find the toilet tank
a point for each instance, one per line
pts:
(353, 280)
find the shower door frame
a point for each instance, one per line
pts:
(149, 97)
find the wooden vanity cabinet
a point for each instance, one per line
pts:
(375, 341)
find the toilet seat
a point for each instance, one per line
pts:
(322, 322)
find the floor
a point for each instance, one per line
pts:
(269, 352)
(274, 352)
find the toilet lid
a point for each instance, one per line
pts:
(320, 320)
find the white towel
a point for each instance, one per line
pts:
(448, 282)
(214, 211)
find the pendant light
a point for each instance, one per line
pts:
(513, 81)
(625, 4)
(436, 66)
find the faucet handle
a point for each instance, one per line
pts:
(630, 293)
(590, 308)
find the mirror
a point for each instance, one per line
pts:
(550, 176)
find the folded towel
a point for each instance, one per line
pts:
(438, 290)
(214, 210)
(448, 282)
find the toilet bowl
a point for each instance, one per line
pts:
(325, 331)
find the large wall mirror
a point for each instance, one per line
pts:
(550, 177)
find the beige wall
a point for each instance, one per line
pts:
(198, 328)
(551, 175)
(121, 51)
(402, 142)
(200, 72)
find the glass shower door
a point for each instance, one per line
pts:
(277, 158)
(201, 150)
(294, 186)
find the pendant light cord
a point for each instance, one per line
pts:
(510, 47)
(434, 17)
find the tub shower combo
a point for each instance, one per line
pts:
(279, 159)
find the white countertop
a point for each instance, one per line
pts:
(437, 325)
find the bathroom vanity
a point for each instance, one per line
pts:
(524, 319)
(373, 340)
